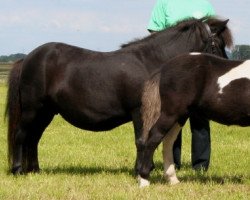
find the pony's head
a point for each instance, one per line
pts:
(217, 36)
(209, 34)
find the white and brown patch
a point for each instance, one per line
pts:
(241, 71)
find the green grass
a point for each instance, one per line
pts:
(4, 71)
(77, 164)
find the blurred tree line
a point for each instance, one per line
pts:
(12, 57)
(241, 52)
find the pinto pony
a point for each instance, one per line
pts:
(92, 90)
(194, 83)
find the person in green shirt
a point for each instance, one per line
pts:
(167, 13)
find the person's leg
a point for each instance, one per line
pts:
(177, 151)
(201, 144)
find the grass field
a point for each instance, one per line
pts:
(78, 164)
(4, 71)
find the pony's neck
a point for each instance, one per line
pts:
(164, 46)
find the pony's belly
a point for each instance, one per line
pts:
(97, 123)
(234, 118)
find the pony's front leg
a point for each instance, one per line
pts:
(139, 142)
(155, 137)
(168, 142)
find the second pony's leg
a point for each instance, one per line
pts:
(155, 137)
(168, 142)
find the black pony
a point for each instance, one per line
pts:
(95, 91)
(194, 83)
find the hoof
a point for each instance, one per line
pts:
(143, 182)
(33, 170)
(173, 180)
(17, 170)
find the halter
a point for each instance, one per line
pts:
(211, 37)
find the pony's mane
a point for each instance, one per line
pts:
(184, 25)
(180, 25)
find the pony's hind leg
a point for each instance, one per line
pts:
(17, 159)
(42, 120)
(32, 125)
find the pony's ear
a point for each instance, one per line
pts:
(220, 26)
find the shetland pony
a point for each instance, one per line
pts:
(194, 83)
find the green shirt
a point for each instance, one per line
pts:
(167, 13)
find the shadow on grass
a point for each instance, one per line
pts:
(205, 179)
(201, 177)
(83, 170)
(191, 176)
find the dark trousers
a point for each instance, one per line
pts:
(201, 144)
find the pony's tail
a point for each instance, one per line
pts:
(13, 106)
(151, 105)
